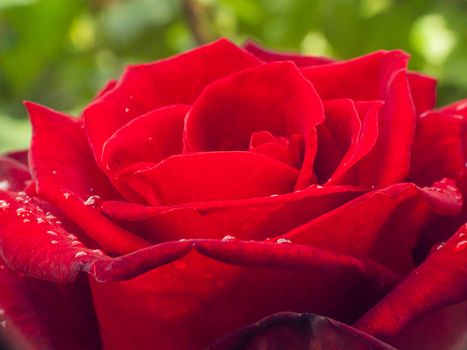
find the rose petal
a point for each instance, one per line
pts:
(13, 174)
(20, 156)
(383, 224)
(343, 140)
(443, 329)
(183, 304)
(438, 149)
(289, 151)
(67, 176)
(423, 89)
(438, 282)
(274, 97)
(108, 87)
(378, 76)
(35, 243)
(140, 89)
(149, 138)
(271, 56)
(253, 218)
(211, 176)
(288, 330)
(348, 171)
(39, 315)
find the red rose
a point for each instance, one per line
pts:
(210, 190)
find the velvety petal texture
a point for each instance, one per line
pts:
(287, 330)
(201, 193)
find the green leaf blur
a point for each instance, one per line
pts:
(60, 52)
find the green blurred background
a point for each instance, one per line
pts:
(60, 52)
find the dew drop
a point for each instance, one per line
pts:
(66, 195)
(53, 233)
(4, 205)
(54, 172)
(98, 251)
(150, 139)
(92, 201)
(4, 185)
(77, 255)
(54, 241)
(40, 220)
(283, 240)
(460, 246)
(127, 109)
(274, 195)
(228, 238)
(440, 246)
(461, 235)
(26, 221)
(75, 243)
(22, 212)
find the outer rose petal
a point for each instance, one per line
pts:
(292, 331)
(67, 176)
(438, 282)
(377, 76)
(440, 145)
(253, 218)
(36, 315)
(271, 56)
(183, 304)
(274, 97)
(211, 176)
(422, 87)
(383, 224)
(20, 156)
(13, 174)
(176, 80)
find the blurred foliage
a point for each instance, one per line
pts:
(60, 52)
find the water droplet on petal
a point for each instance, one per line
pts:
(98, 251)
(228, 238)
(77, 255)
(92, 201)
(53, 233)
(460, 246)
(22, 212)
(54, 172)
(4, 205)
(283, 240)
(75, 243)
(66, 195)
(461, 235)
(26, 221)
(54, 241)
(274, 195)
(40, 220)
(127, 109)
(4, 185)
